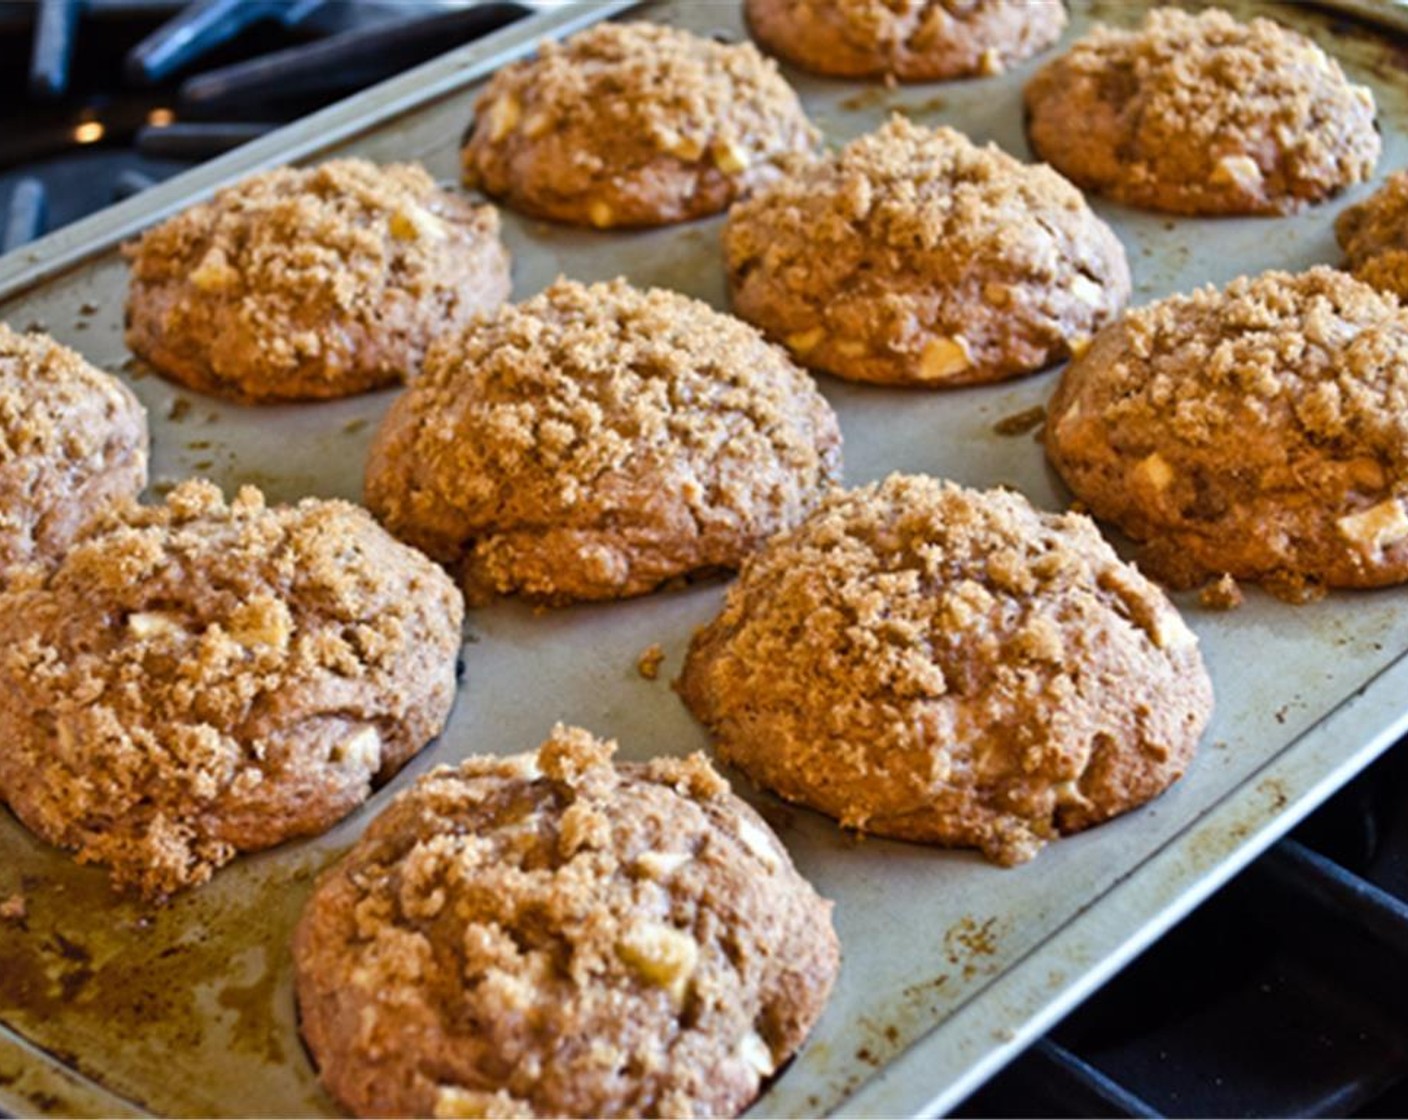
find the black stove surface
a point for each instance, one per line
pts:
(1283, 995)
(112, 131)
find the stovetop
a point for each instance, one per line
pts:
(1283, 995)
(121, 98)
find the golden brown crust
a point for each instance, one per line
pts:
(198, 679)
(594, 442)
(1260, 430)
(552, 934)
(304, 283)
(1374, 236)
(1203, 115)
(933, 663)
(73, 441)
(914, 257)
(634, 124)
(915, 40)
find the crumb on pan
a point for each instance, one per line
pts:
(1295, 588)
(1222, 594)
(648, 663)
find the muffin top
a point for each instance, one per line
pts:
(595, 441)
(556, 934)
(1202, 114)
(631, 124)
(312, 282)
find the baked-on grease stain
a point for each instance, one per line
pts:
(98, 964)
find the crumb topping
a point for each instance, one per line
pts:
(913, 22)
(1374, 236)
(630, 124)
(569, 936)
(1221, 594)
(649, 662)
(646, 85)
(72, 438)
(1318, 355)
(186, 659)
(635, 435)
(912, 232)
(292, 270)
(957, 675)
(1214, 113)
(911, 39)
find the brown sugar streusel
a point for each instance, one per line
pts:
(914, 257)
(73, 441)
(199, 679)
(595, 442)
(1203, 114)
(307, 283)
(634, 124)
(932, 663)
(1259, 431)
(912, 40)
(559, 934)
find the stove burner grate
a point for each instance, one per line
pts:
(1284, 995)
(102, 116)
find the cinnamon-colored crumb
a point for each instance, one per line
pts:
(1259, 430)
(1202, 114)
(915, 257)
(939, 664)
(312, 282)
(597, 441)
(201, 678)
(649, 661)
(1222, 594)
(634, 124)
(626, 939)
(908, 40)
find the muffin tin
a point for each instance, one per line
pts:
(951, 965)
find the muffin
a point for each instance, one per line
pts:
(556, 934)
(1374, 236)
(633, 124)
(912, 40)
(597, 441)
(200, 679)
(914, 257)
(1259, 430)
(951, 666)
(73, 441)
(309, 283)
(1201, 114)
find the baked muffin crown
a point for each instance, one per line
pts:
(552, 934)
(73, 441)
(595, 441)
(634, 124)
(1202, 114)
(933, 663)
(1259, 430)
(913, 256)
(202, 678)
(317, 282)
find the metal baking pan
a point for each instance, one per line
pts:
(951, 965)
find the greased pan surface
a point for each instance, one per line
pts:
(950, 964)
